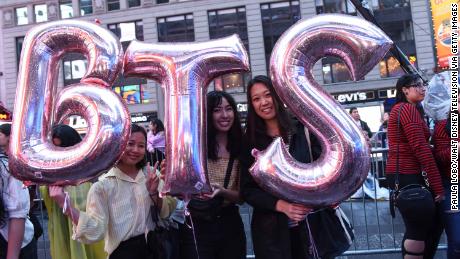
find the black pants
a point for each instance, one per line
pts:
(222, 238)
(27, 252)
(423, 221)
(135, 247)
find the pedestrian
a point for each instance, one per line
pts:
(218, 227)
(59, 225)
(118, 205)
(409, 157)
(442, 143)
(361, 124)
(156, 141)
(16, 231)
(278, 226)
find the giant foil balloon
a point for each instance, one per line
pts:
(39, 106)
(345, 161)
(184, 71)
(438, 97)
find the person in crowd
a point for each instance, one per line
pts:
(118, 205)
(16, 231)
(382, 133)
(441, 140)
(219, 229)
(278, 226)
(410, 154)
(361, 124)
(59, 226)
(156, 141)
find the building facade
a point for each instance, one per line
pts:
(259, 23)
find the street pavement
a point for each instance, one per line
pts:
(373, 225)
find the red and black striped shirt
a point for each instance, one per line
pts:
(414, 148)
(441, 141)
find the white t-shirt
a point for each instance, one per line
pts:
(16, 201)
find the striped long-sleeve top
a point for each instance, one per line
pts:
(441, 141)
(415, 153)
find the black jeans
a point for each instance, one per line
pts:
(135, 247)
(27, 252)
(423, 220)
(223, 238)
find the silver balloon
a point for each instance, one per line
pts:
(345, 160)
(438, 97)
(184, 71)
(38, 105)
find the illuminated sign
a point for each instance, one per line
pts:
(442, 27)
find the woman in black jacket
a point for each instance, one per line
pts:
(278, 226)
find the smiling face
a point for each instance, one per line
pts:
(415, 92)
(262, 101)
(135, 150)
(223, 116)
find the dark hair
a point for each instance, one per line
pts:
(256, 125)
(136, 128)
(234, 135)
(404, 81)
(68, 135)
(352, 109)
(159, 123)
(5, 129)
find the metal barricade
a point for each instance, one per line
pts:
(376, 232)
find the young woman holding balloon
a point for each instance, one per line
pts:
(118, 205)
(218, 227)
(59, 226)
(16, 231)
(278, 226)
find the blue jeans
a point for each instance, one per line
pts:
(452, 224)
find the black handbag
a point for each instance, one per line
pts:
(411, 192)
(330, 233)
(163, 242)
(210, 209)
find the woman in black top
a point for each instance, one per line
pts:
(278, 226)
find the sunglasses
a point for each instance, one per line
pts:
(419, 85)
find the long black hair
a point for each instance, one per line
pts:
(256, 126)
(6, 130)
(234, 135)
(160, 127)
(405, 81)
(136, 128)
(66, 134)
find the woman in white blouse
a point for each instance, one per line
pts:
(118, 205)
(16, 231)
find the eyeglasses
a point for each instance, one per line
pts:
(419, 85)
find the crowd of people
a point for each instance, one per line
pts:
(115, 215)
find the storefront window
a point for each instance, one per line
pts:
(226, 22)
(335, 6)
(334, 71)
(176, 28)
(277, 18)
(86, 7)
(134, 3)
(113, 5)
(74, 69)
(65, 6)
(389, 67)
(19, 42)
(41, 13)
(133, 94)
(127, 31)
(21, 16)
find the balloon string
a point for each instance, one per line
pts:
(313, 248)
(187, 214)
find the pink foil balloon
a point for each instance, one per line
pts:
(184, 71)
(345, 161)
(38, 106)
